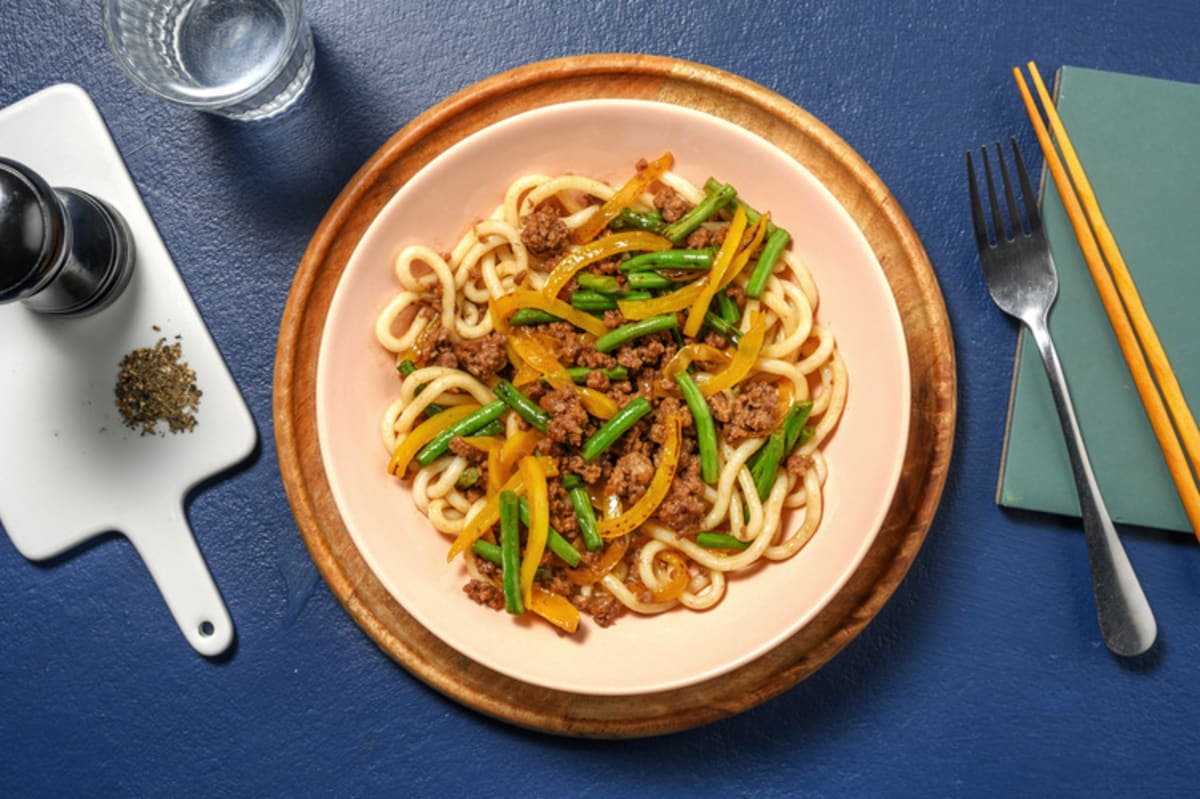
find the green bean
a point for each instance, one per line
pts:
(638, 220)
(492, 428)
(649, 281)
(752, 216)
(532, 316)
(579, 374)
(644, 327)
(766, 262)
(767, 467)
(706, 433)
(468, 478)
(668, 259)
(491, 553)
(611, 430)
(720, 541)
(791, 432)
(554, 539)
(605, 284)
(487, 550)
(793, 425)
(593, 301)
(727, 308)
(510, 553)
(722, 328)
(526, 408)
(584, 512)
(678, 231)
(463, 427)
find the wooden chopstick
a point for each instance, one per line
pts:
(1122, 303)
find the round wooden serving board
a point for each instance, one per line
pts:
(887, 229)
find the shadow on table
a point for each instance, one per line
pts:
(287, 170)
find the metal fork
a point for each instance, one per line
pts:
(1021, 278)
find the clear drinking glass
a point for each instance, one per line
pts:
(244, 59)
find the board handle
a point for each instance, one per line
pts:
(164, 540)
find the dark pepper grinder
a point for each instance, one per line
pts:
(63, 252)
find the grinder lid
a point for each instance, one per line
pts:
(31, 230)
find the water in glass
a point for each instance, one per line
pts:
(246, 59)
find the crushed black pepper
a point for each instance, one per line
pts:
(155, 386)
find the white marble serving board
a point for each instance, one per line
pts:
(69, 468)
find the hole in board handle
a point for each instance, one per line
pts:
(206, 628)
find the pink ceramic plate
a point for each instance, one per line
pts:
(356, 380)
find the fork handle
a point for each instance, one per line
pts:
(1126, 621)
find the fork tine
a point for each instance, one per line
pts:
(982, 239)
(1014, 214)
(1001, 230)
(1031, 208)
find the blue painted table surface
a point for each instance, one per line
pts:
(984, 675)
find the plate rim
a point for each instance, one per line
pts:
(869, 204)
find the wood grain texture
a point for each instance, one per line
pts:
(887, 229)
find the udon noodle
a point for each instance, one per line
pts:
(612, 398)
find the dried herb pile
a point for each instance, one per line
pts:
(155, 386)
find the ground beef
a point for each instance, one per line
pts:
(613, 319)
(647, 351)
(567, 342)
(752, 413)
(483, 357)
(465, 450)
(630, 477)
(544, 233)
(704, 236)
(598, 380)
(721, 406)
(557, 582)
(562, 512)
(621, 392)
(536, 390)
(609, 266)
(590, 561)
(435, 347)
(645, 383)
(603, 608)
(666, 410)
(487, 567)
(684, 506)
(485, 594)
(568, 417)
(671, 204)
(595, 360)
(715, 340)
(637, 440)
(574, 463)
(798, 464)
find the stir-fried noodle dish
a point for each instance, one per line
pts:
(612, 398)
